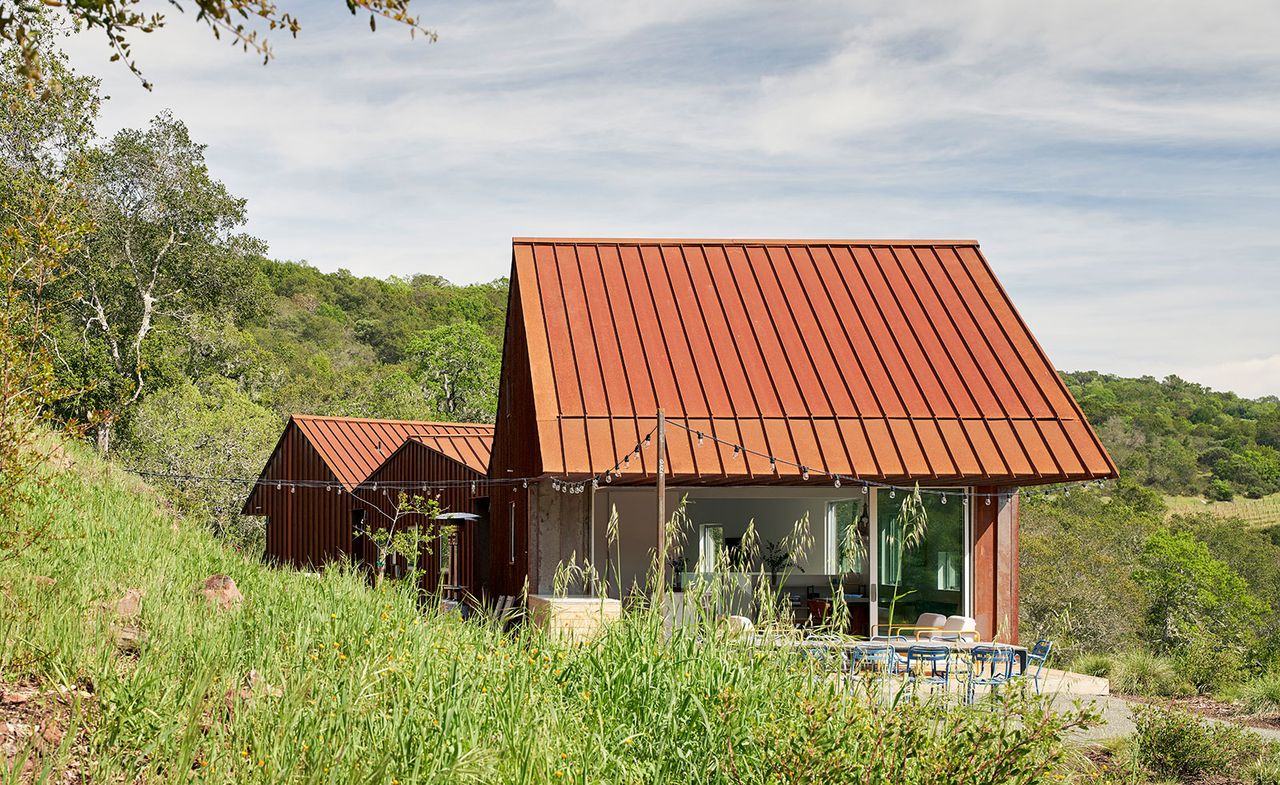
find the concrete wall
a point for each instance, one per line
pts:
(558, 532)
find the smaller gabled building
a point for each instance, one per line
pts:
(448, 464)
(309, 489)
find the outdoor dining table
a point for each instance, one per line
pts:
(901, 646)
(962, 647)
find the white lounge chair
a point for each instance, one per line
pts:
(958, 628)
(926, 624)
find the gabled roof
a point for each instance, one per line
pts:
(882, 359)
(469, 449)
(353, 447)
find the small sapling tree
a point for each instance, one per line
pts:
(413, 532)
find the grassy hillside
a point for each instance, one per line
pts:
(318, 678)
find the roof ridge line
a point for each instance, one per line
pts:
(738, 241)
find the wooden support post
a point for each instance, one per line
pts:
(661, 443)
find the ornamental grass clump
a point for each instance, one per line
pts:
(322, 678)
(1261, 696)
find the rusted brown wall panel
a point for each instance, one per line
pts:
(515, 455)
(995, 564)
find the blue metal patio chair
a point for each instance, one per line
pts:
(929, 664)
(1037, 657)
(990, 666)
(876, 658)
(826, 652)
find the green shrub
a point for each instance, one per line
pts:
(1262, 695)
(1208, 666)
(1099, 665)
(1174, 743)
(1220, 491)
(1143, 673)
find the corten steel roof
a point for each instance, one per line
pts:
(469, 449)
(882, 359)
(353, 447)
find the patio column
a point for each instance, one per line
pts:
(995, 563)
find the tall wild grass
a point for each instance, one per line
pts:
(355, 685)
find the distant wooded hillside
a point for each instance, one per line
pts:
(1183, 438)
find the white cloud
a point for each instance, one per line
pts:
(1119, 161)
(1252, 378)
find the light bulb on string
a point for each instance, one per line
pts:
(277, 486)
(736, 451)
(865, 489)
(837, 482)
(293, 489)
(473, 487)
(646, 442)
(804, 473)
(893, 493)
(988, 501)
(701, 439)
(944, 498)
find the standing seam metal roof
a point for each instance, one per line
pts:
(883, 359)
(354, 447)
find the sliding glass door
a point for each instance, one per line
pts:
(920, 572)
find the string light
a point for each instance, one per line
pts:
(616, 471)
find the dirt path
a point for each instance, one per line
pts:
(1117, 718)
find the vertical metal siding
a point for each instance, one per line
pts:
(995, 564)
(515, 455)
(417, 463)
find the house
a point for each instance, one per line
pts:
(447, 463)
(812, 381)
(310, 489)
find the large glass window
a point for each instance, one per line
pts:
(711, 544)
(924, 571)
(846, 537)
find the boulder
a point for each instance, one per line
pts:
(128, 637)
(221, 591)
(127, 607)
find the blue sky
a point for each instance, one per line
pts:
(1119, 162)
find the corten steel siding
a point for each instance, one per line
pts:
(310, 527)
(995, 563)
(515, 455)
(414, 462)
(897, 361)
(306, 527)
